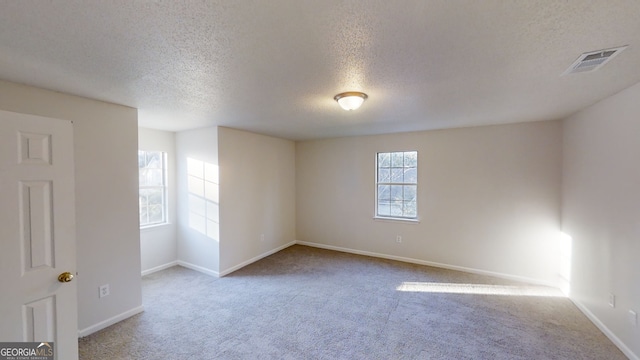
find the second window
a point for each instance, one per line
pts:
(397, 184)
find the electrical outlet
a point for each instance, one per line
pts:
(103, 291)
(612, 300)
(633, 318)
(398, 239)
(261, 237)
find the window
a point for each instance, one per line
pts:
(397, 185)
(153, 187)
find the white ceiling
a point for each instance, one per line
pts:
(273, 66)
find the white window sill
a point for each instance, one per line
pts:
(154, 226)
(392, 219)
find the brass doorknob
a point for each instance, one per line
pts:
(65, 277)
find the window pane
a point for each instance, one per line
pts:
(144, 194)
(384, 209)
(410, 209)
(384, 192)
(143, 215)
(397, 175)
(396, 192)
(409, 192)
(141, 159)
(396, 208)
(155, 214)
(384, 160)
(384, 175)
(155, 196)
(397, 159)
(142, 177)
(411, 175)
(154, 159)
(411, 159)
(142, 199)
(154, 177)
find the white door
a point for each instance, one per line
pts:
(37, 232)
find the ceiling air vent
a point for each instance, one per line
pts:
(593, 60)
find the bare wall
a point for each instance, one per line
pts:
(106, 179)
(488, 198)
(601, 212)
(197, 180)
(257, 196)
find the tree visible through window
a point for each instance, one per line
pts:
(153, 189)
(397, 184)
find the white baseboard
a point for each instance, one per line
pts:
(605, 330)
(106, 323)
(252, 260)
(198, 268)
(431, 263)
(159, 268)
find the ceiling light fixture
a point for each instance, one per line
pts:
(351, 100)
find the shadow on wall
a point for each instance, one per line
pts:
(203, 187)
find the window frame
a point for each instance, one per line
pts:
(378, 183)
(164, 192)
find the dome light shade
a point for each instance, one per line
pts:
(351, 100)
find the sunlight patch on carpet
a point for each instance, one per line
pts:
(479, 289)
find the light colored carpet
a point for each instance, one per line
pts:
(307, 303)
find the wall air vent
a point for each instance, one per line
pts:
(593, 60)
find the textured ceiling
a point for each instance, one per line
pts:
(274, 66)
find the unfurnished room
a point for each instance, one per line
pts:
(339, 179)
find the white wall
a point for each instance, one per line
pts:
(257, 196)
(106, 179)
(198, 214)
(488, 198)
(601, 211)
(158, 244)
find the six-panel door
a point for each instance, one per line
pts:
(37, 232)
